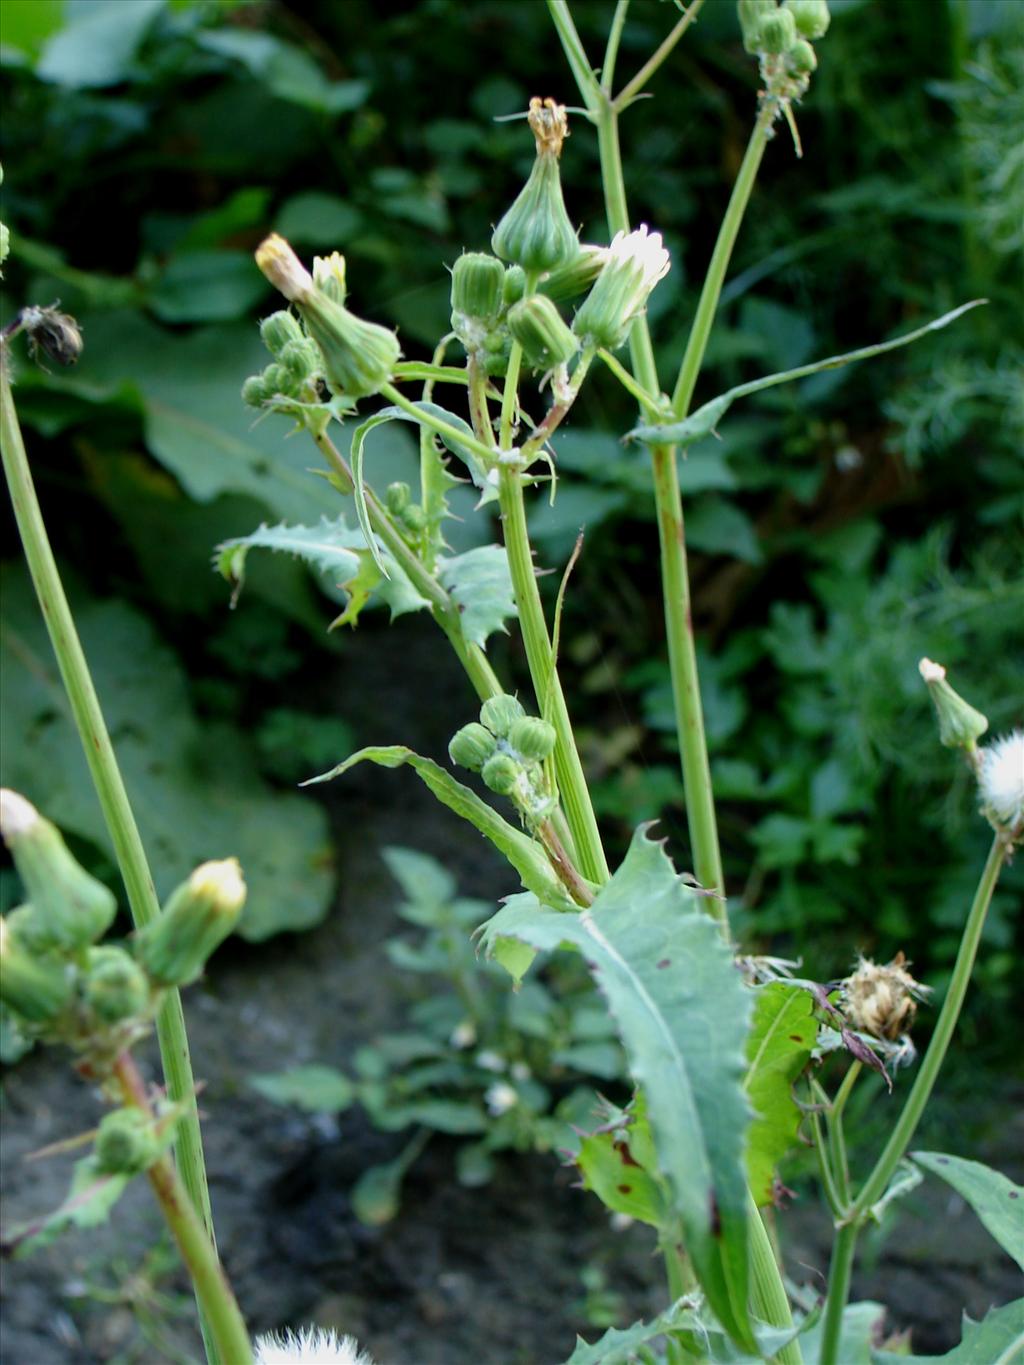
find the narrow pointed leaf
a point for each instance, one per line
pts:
(703, 422)
(526, 856)
(997, 1340)
(682, 1011)
(778, 1049)
(997, 1201)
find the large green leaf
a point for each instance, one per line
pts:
(997, 1340)
(522, 852)
(703, 422)
(682, 1011)
(481, 587)
(778, 1048)
(997, 1201)
(194, 789)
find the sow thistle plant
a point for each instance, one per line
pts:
(733, 1059)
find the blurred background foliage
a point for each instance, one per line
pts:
(839, 529)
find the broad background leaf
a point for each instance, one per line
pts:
(997, 1201)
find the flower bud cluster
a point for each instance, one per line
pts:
(781, 36)
(508, 748)
(409, 515)
(296, 370)
(55, 977)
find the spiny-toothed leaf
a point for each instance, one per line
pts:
(619, 1346)
(92, 1195)
(778, 1048)
(997, 1340)
(522, 852)
(997, 1201)
(682, 1011)
(481, 587)
(704, 421)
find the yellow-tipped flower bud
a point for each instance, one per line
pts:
(127, 1142)
(116, 987)
(532, 738)
(471, 747)
(329, 275)
(960, 725)
(536, 232)
(198, 916)
(71, 908)
(500, 713)
(636, 262)
(358, 356)
(35, 987)
(279, 329)
(501, 773)
(811, 17)
(545, 337)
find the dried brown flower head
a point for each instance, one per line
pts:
(882, 1001)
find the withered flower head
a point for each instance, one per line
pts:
(882, 1001)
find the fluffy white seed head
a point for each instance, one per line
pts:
(310, 1346)
(1001, 778)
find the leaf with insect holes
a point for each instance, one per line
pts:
(997, 1201)
(682, 1011)
(778, 1048)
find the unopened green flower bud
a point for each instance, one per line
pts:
(300, 359)
(278, 330)
(776, 33)
(811, 16)
(34, 986)
(636, 262)
(115, 985)
(277, 380)
(329, 275)
(471, 747)
(254, 391)
(536, 232)
(960, 726)
(174, 947)
(358, 356)
(546, 339)
(477, 282)
(500, 713)
(397, 498)
(514, 286)
(127, 1142)
(71, 908)
(801, 58)
(574, 279)
(751, 13)
(501, 773)
(414, 518)
(533, 738)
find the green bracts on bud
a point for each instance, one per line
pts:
(801, 58)
(751, 13)
(254, 391)
(532, 738)
(198, 916)
(397, 497)
(300, 360)
(514, 286)
(574, 279)
(500, 713)
(127, 1142)
(471, 747)
(811, 16)
(116, 987)
(35, 987)
(70, 908)
(536, 232)
(278, 330)
(960, 725)
(477, 283)
(546, 338)
(358, 356)
(776, 33)
(501, 773)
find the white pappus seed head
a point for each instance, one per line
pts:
(309, 1346)
(1001, 778)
